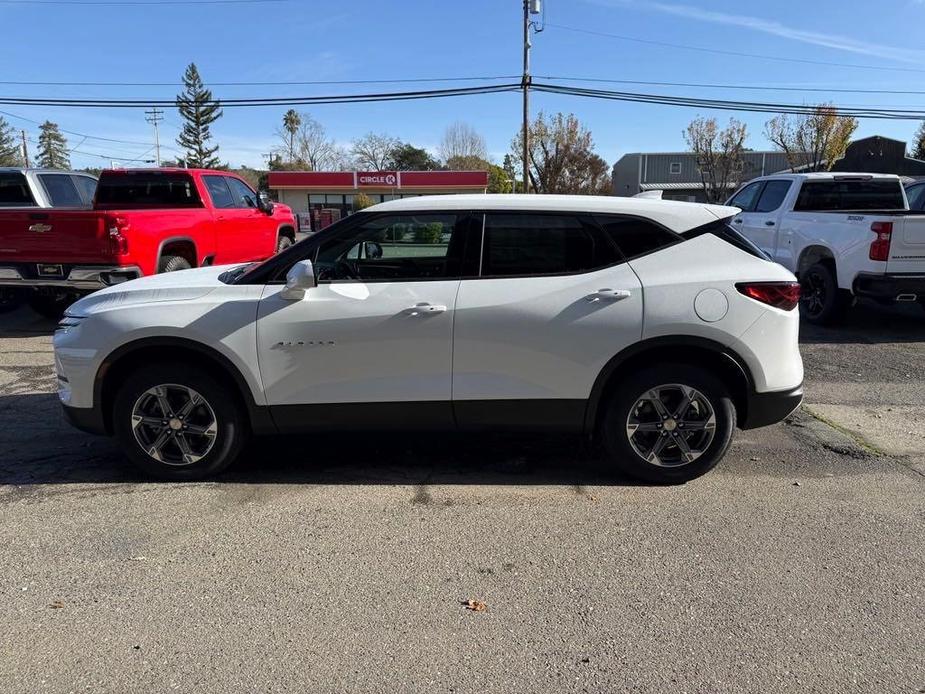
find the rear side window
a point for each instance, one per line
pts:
(534, 244)
(916, 195)
(14, 190)
(219, 191)
(721, 229)
(61, 190)
(86, 186)
(855, 195)
(636, 237)
(772, 197)
(142, 190)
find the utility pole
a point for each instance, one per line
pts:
(25, 148)
(155, 116)
(530, 7)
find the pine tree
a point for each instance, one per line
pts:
(10, 153)
(199, 110)
(53, 152)
(918, 151)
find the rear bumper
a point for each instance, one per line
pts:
(764, 409)
(890, 287)
(88, 419)
(82, 277)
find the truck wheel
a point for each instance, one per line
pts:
(10, 299)
(177, 422)
(283, 243)
(51, 306)
(668, 424)
(171, 263)
(821, 301)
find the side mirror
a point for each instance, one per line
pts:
(299, 279)
(373, 250)
(264, 202)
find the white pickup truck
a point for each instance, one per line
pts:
(842, 235)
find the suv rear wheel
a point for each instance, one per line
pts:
(176, 422)
(669, 424)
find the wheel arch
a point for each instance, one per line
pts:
(816, 253)
(185, 244)
(680, 349)
(285, 229)
(146, 350)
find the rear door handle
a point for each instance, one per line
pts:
(424, 309)
(769, 223)
(737, 220)
(607, 294)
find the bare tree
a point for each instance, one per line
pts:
(462, 144)
(815, 141)
(373, 151)
(718, 153)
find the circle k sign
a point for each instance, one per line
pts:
(378, 178)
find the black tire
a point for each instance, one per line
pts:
(172, 263)
(210, 454)
(283, 243)
(670, 465)
(51, 306)
(821, 301)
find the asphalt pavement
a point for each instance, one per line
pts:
(343, 564)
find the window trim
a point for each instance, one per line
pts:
(671, 165)
(206, 178)
(48, 175)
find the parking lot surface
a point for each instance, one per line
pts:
(341, 564)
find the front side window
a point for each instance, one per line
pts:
(523, 244)
(61, 190)
(772, 197)
(14, 190)
(219, 191)
(745, 199)
(241, 192)
(406, 247)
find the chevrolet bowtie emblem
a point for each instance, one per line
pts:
(40, 228)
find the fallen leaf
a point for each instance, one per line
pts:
(56, 605)
(475, 605)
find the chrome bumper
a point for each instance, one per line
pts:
(78, 277)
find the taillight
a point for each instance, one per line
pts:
(118, 243)
(782, 295)
(880, 248)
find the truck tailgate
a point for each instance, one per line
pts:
(54, 236)
(907, 246)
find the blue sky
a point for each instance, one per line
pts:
(304, 40)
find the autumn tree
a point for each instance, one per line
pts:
(813, 141)
(719, 154)
(463, 146)
(10, 151)
(199, 110)
(373, 150)
(918, 149)
(53, 152)
(361, 201)
(562, 157)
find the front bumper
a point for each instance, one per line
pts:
(82, 277)
(764, 409)
(88, 419)
(890, 287)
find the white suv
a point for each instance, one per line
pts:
(651, 325)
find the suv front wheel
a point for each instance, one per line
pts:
(668, 424)
(178, 423)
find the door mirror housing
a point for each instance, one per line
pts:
(264, 202)
(299, 279)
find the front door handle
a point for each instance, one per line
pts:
(769, 223)
(737, 220)
(424, 309)
(608, 294)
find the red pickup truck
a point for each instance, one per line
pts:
(143, 221)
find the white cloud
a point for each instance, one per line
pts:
(775, 28)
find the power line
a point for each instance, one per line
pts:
(140, 3)
(263, 84)
(701, 49)
(89, 137)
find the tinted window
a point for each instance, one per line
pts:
(146, 189)
(916, 195)
(243, 196)
(772, 197)
(721, 229)
(61, 190)
(745, 198)
(86, 186)
(636, 237)
(528, 244)
(14, 190)
(395, 248)
(219, 191)
(861, 195)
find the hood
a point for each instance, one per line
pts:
(182, 285)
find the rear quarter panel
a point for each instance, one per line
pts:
(150, 230)
(846, 236)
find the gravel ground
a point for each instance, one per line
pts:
(341, 565)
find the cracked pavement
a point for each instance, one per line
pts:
(338, 563)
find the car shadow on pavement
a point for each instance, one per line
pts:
(870, 323)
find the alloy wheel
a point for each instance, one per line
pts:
(671, 425)
(174, 424)
(813, 294)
